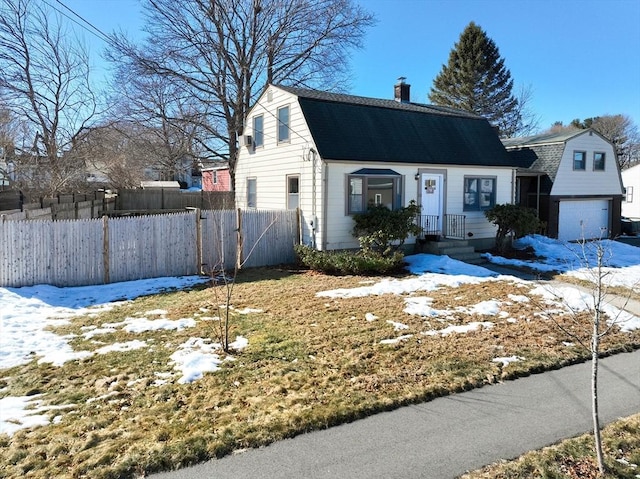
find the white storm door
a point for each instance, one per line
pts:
(432, 202)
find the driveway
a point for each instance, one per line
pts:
(445, 437)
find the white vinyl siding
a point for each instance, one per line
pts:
(340, 225)
(572, 182)
(272, 163)
(631, 202)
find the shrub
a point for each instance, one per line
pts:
(348, 262)
(384, 231)
(513, 219)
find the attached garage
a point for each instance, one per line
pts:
(583, 219)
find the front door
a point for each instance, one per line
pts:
(432, 201)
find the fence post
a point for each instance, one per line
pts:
(239, 252)
(105, 248)
(199, 258)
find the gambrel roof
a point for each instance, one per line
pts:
(541, 152)
(354, 128)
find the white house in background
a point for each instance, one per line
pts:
(573, 181)
(631, 200)
(331, 155)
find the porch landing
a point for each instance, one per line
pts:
(456, 249)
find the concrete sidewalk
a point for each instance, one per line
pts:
(448, 436)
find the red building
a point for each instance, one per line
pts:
(216, 178)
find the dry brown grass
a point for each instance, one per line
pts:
(312, 362)
(575, 458)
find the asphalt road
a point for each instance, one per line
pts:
(448, 436)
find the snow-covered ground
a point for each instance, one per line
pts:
(27, 313)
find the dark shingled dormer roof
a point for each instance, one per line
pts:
(346, 127)
(540, 152)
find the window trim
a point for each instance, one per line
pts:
(477, 200)
(397, 191)
(281, 125)
(254, 180)
(584, 160)
(289, 194)
(604, 160)
(629, 194)
(256, 143)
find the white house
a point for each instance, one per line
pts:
(631, 200)
(572, 179)
(331, 155)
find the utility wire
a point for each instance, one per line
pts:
(93, 30)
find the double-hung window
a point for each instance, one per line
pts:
(371, 186)
(283, 124)
(579, 160)
(258, 131)
(628, 193)
(598, 161)
(293, 192)
(479, 193)
(252, 198)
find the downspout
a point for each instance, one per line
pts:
(314, 216)
(538, 195)
(323, 230)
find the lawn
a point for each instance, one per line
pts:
(575, 458)
(314, 351)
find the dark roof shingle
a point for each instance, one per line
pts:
(346, 127)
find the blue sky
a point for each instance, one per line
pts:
(580, 57)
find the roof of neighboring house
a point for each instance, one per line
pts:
(346, 127)
(542, 139)
(159, 184)
(540, 152)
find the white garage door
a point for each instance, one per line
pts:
(583, 219)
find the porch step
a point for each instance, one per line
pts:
(456, 249)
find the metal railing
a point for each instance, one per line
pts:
(454, 226)
(430, 227)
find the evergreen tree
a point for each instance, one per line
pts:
(476, 80)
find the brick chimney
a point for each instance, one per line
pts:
(401, 91)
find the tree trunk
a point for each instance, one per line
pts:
(594, 402)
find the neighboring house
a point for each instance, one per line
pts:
(153, 184)
(331, 155)
(572, 179)
(631, 200)
(216, 178)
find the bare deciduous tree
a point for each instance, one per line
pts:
(115, 154)
(523, 121)
(44, 81)
(167, 117)
(620, 130)
(591, 319)
(224, 52)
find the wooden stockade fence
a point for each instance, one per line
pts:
(168, 199)
(107, 250)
